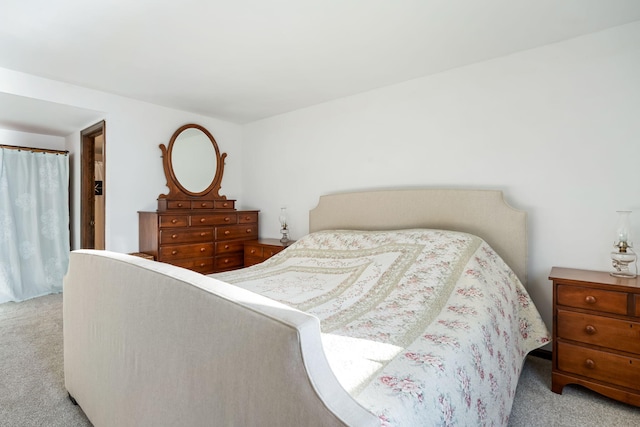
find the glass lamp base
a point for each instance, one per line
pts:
(624, 275)
(285, 236)
(621, 262)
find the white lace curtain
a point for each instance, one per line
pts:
(34, 223)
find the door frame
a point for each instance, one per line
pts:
(87, 182)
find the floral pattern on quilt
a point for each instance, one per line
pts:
(422, 327)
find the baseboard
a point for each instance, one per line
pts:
(543, 354)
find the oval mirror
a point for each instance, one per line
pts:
(194, 160)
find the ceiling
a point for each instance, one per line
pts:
(244, 60)
(47, 118)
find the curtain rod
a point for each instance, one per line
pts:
(34, 150)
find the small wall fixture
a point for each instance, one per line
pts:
(623, 256)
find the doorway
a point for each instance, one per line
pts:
(92, 186)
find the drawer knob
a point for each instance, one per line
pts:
(253, 251)
(203, 234)
(203, 204)
(174, 252)
(590, 299)
(203, 249)
(174, 236)
(226, 246)
(227, 219)
(180, 205)
(226, 261)
(202, 264)
(590, 329)
(589, 363)
(225, 204)
(227, 232)
(202, 220)
(248, 230)
(173, 221)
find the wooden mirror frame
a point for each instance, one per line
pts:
(176, 190)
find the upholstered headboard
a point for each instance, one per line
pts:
(483, 213)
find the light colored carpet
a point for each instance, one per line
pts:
(536, 405)
(32, 389)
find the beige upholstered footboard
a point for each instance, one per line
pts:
(149, 344)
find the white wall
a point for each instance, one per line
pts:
(556, 128)
(26, 139)
(134, 130)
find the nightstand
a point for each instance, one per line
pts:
(596, 333)
(256, 251)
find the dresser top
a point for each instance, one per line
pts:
(575, 275)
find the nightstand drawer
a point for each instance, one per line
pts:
(601, 331)
(271, 251)
(252, 250)
(608, 367)
(592, 299)
(257, 251)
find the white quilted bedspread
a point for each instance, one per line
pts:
(422, 327)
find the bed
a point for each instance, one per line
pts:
(424, 317)
(378, 317)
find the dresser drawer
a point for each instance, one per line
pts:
(600, 365)
(178, 204)
(173, 220)
(601, 331)
(191, 233)
(206, 204)
(247, 217)
(237, 232)
(171, 252)
(201, 265)
(229, 247)
(214, 219)
(592, 299)
(224, 204)
(168, 236)
(226, 262)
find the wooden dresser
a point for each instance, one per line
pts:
(596, 333)
(198, 235)
(257, 251)
(195, 226)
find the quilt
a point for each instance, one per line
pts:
(421, 327)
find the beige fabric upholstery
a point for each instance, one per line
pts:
(150, 344)
(483, 213)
